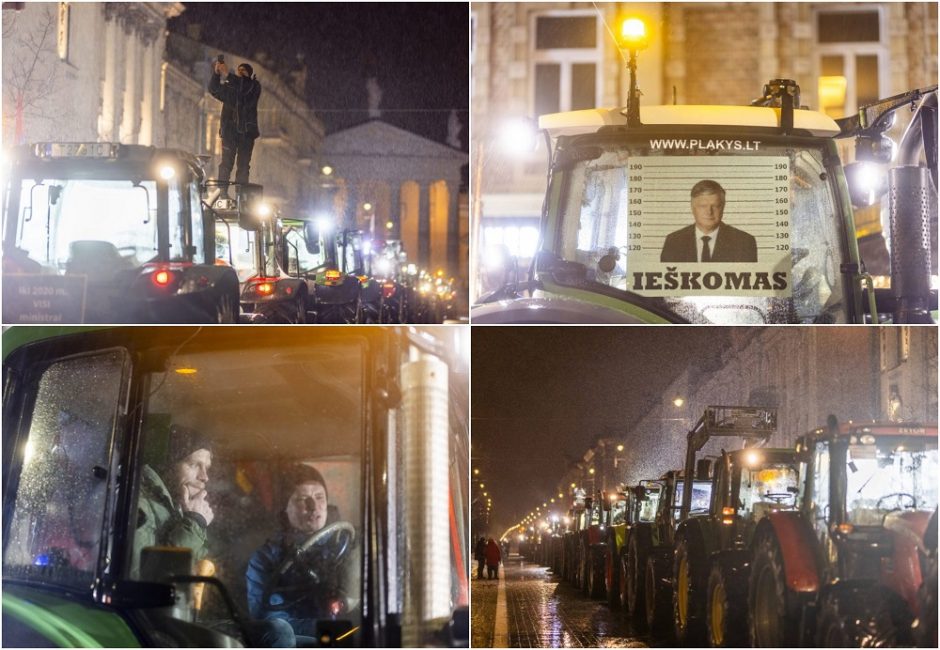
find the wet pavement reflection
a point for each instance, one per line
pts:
(533, 608)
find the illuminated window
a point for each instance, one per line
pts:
(63, 31)
(566, 57)
(852, 63)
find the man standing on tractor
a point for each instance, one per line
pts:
(238, 125)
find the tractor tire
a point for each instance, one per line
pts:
(584, 569)
(863, 618)
(622, 567)
(612, 575)
(690, 579)
(658, 593)
(925, 629)
(774, 619)
(225, 309)
(638, 551)
(595, 577)
(726, 601)
(300, 315)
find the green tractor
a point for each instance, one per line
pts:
(91, 416)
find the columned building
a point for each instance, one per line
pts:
(399, 185)
(89, 72)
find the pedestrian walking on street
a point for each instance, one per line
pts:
(479, 554)
(493, 557)
(239, 122)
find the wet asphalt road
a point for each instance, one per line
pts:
(529, 607)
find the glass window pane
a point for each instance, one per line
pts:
(583, 86)
(547, 93)
(564, 32)
(849, 27)
(832, 65)
(866, 79)
(55, 532)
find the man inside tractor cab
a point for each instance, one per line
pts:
(173, 509)
(297, 576)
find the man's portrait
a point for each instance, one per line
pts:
(708, 239)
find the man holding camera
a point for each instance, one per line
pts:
(239, 94)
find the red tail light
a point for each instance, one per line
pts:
(388, 289)
(162, 277)
(332, 275)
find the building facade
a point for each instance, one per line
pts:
(84, 72)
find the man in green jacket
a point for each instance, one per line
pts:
(173, 509)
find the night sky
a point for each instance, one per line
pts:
(540, 395)
(418, 52)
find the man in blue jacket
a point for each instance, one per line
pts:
(291, 594)
(238, 128)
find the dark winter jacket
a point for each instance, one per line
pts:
(239, 99)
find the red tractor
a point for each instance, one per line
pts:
(846, 569)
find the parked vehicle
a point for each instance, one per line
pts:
(90, 416)
(111, 233)
(845, 569)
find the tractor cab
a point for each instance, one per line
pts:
(249, 243)
(105, 232)
(149, 501)
(309, 249)
(726, 215)
(354, 251)
(868, 487)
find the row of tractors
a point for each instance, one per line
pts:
(115, 233)
(831, 543)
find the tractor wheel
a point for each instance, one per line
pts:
(658, 596)
(863, 618)
(689, 580)
(774, 616)
(225, 309)
(726, 601)
(596, 569)
(300, 315)
(925, 630)
(637, 552)
(584, 568)
(622, 568)
(612, 575)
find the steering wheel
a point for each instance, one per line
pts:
(898, 505)
(318, 556)
(778, 497)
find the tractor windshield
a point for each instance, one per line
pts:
(625, 213)
(90, 227)
(767, 488)
(649, 503)
(251, 462)
(889, 474)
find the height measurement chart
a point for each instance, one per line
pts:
(732, 238)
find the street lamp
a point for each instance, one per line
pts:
(678, 402)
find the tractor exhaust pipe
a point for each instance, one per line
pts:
(911, 202)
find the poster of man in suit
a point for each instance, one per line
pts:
(708, 239)
(708, 225)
